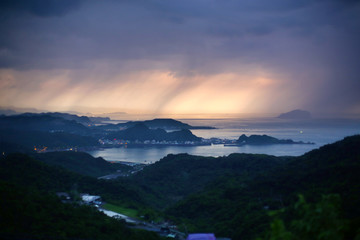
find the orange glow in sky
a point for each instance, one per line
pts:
(151, 91)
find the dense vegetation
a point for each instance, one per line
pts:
(240, 206)
(30, 209)
(233, 196)
(23, 170)
(31, 214)
(82, 163)
(242, 196)
(176, 176)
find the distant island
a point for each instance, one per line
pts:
(162, 123)
(141, 132)
(295, 114)
(263, 140)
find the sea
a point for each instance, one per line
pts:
(318, 131)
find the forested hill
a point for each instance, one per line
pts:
(141, 132)
(264, 140)
(177, 176)
(30, 209)
(163, 123)
(82, 163)
(232, 196)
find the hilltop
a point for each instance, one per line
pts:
(162, 123)
(141, 132)
(295, 114)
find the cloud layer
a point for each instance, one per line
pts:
(181, 56)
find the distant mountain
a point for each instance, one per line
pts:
(169, 124)
(295, 114)
(71, 117)
(166, 123)
(99, 119)
(264, 140)
(142, 132)
(40, 139)
(7, 112)
(42, 122)
(163, 123)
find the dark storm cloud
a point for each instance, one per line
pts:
(155, 29)
(312, 43)
(43, 8)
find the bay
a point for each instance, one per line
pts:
(318, 131)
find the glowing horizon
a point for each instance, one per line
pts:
(147, 92)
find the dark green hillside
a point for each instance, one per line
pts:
(231, 196)
(82, 163)
(239, 207)
(23, 170)
(176, 176)
(29, 214)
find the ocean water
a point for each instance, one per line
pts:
(318, 131)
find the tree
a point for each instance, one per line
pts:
(318, 221)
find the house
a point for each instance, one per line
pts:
(91, 199)
(171, 235)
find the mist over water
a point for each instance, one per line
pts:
(318, 131)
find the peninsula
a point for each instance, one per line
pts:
(264, 140)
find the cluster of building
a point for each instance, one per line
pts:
(125, 143)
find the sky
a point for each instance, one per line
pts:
(188, 57)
